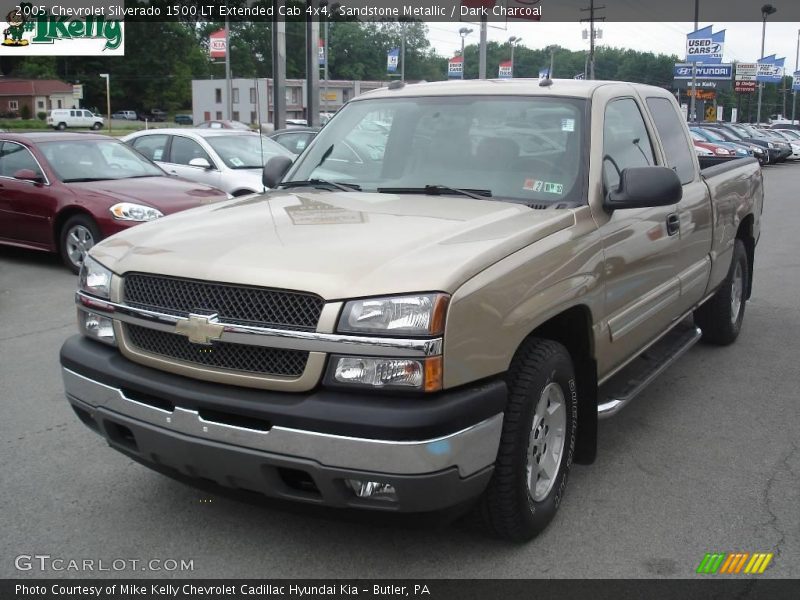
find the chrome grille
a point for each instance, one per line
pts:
(235, 304)
(221, 355)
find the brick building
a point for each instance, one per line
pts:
(39, 95)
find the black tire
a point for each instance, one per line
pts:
(719, 318)
(507, 508)
(61, 126)
(96, 126)
(68, 246)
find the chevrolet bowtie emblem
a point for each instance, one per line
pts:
(200, 329)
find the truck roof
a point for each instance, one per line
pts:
(574, 88)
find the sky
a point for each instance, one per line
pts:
(742, 40)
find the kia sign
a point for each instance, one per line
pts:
(703, 46)
(217, 44)
(721, 72)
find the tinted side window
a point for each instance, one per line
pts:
(152, 146)
(670, 128)
(14, 158)
(625, 140)
(184, 150)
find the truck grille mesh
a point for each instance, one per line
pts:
(235, 304)
(221, 355)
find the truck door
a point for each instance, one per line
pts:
(641, 246)
(694, 209)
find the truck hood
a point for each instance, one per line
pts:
(338, 245)
(167, 194)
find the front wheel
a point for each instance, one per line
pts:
(96, 126)
(720, 318)
(61, 126)
(536, 445)
(78, 236)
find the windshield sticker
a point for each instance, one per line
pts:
(236, 161)
(532, 185)
(553, 188)
(157, 154)
(567, 124)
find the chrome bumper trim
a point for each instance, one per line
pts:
(309, 341)
(470, 449)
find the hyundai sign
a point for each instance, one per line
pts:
(703, 46)
(721, 72)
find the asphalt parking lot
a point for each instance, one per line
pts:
(707, 460)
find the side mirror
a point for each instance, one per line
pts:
(28, 175)
(274, 170)
(200, 162)
(644, 187)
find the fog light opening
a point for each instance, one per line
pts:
(372, 490)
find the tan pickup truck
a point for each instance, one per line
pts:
(443, 294)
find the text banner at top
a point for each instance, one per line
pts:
(420, 10)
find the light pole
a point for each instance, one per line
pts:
(766, 11)
(513, 40)
(552, 50)
(463, 32)
(107, 77)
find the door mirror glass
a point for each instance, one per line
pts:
(28, 175)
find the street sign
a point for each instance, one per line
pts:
(744, 87)
(746, 71)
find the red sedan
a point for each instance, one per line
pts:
(64, 192)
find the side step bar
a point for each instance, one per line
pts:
(630, 381)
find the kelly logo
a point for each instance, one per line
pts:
(735, 563)
(40, 32)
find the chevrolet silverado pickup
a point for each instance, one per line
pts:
(432, 308)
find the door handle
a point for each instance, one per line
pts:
(673, 224)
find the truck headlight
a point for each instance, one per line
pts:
(416, 315)
(128, 211)
(94, 278)
(423, 375)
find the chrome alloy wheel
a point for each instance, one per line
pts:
(737, 292)
(79, 242)
(546, 443)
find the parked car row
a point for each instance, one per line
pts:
(155, 114)
(725, 141)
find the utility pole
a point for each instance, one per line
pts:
(482, 53)
(693, 99)
(403, 52)
(592, 9)
(278, 66)
(312, 66)
(796, 69)
(228, 90)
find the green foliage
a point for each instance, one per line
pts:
(25, 112)
(41, 115)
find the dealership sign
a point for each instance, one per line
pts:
(455, 68)
(744, 87)
(718, 72)
(506, 70)
(796, 81)
(770, 69)
(746, 71)
(703, 46)
(217, 44)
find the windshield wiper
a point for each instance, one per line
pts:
(345, 187)
(437, 190)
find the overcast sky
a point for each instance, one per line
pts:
(742, 40)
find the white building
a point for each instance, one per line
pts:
(253, 97)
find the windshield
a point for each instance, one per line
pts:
(246, 151)
(710, 135)
(523, 149)
(96, 160)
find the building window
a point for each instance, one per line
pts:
(218, 95)
(253, 117)
(235, 94)
(236, 115)
(219, 115)
(40, 104)
(252, 95)
(59, 104)
(13, 105)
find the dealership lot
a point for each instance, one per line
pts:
(707, 460)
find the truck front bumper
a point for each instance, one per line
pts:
(435, 452)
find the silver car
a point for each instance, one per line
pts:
(227, 159)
